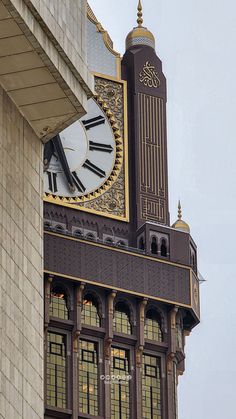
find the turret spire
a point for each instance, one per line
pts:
(180, 224)
(179, 211)
(140, 35)
(140, 14)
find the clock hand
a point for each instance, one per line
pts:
(47, 155)
(62, 157)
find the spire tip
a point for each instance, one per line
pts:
(140, 14)
(179, 211)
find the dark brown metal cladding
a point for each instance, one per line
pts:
(147, 137)
(142, 276)
(118, 269)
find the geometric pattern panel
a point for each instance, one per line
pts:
(117, 268)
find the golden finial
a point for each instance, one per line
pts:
(181, 224)
(179, 211)
(140, 14)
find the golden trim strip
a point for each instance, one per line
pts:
(98, 284)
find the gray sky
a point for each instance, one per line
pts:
(196, 41)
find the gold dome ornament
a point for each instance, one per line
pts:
(140, 35)
(181, 224)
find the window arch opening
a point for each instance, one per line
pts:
(141, 245)
(59, 228)
(154, 246)
(163, 248)
(90, 312)
(121, 320)
(153, 329)
(90, 236)
(59, 303)
(109, 240)
(78, 233)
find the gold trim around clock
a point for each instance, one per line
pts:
(122, 160)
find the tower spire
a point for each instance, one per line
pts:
(180, 224)
(140, 14)
(179, 211)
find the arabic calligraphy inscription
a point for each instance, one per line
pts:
(149, 76)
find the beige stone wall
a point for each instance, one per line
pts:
(66, 22)
(21, 282)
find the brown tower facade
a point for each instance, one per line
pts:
(147, 130)
(121, 291)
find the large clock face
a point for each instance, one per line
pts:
(82, 158)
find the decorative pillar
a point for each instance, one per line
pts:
(171, 365)
(107, 351)
(75, 361)
(47, 299)
(48, 283)
(139, 355)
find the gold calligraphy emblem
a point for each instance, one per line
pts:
(149, 76)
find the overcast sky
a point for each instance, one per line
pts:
(196, 41)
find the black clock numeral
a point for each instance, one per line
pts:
(90, 166)
(100, 147)
(93, 122)
(79, 185)
(52, 182)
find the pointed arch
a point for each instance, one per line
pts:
(59, 302)
(163, 248)
(153, 329)
(154, 245)
(90, 314)
(122, 318)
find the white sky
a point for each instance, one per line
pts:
(196, 41)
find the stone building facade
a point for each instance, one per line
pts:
(44, 85)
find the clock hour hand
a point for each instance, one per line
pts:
(62, 157)
(47, 154)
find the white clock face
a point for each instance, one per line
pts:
(82, 159)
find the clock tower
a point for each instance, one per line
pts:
(121, 283)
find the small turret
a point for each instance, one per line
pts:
(181, 224)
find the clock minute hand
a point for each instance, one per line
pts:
(62, 157)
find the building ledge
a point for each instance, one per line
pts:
(46, 88)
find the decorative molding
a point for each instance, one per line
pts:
(113, 200)
(106, 38)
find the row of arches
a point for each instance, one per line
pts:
(87, 236)
(155, 247)
(90, 315)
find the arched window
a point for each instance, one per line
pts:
(90, 314)
(109, 240)
(90, 236)
(58, 304)
(193, 260)
(152, 328)
(121, 243)
(78, 233)
(141, 245)
(121, 320)
(163, 248)
(59, 228)
(154, 247)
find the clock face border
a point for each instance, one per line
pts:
(121, 161)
